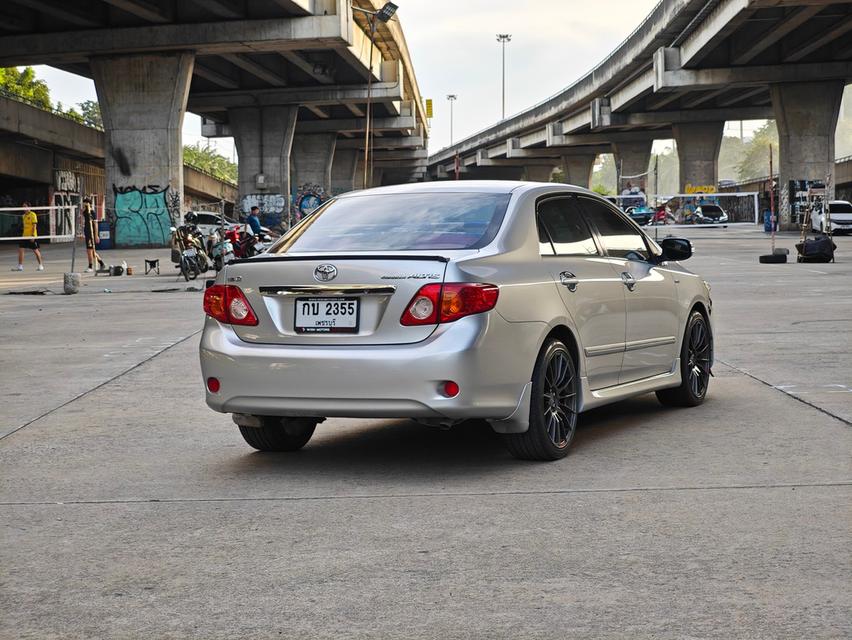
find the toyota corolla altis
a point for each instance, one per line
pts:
(523, 304)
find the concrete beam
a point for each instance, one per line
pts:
(221, 8)
(210, 38)
(722, 21)
(149, 11)
(216, 77)
(513, 150)
(580, 139)
(400, 154)
(400, 164)
(63, 11)
(257, 70)
(752, 46)
(821, 39)
(670, 76)
(482, 160)
(317, 72)
(697, 115)
(357, 124)
(220, 100)
(387, 142)
(627, 95)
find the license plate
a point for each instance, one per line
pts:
(327, 315)
(190, 253)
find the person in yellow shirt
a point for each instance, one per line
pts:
(30, 233)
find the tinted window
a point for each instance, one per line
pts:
(565, 227)
(399, 222)
(620, 238)
(710, 208)
(207, 218)
(840, 207)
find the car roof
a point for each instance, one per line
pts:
(458, 186)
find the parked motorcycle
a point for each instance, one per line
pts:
(188, 251)
(245, 244)
(220, 249)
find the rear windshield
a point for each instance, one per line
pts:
(840, 207)
(399, 222)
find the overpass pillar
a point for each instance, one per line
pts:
(311, 159)
(577, 169)
(631, 163)
(538, 172)
(263, 137)
(698, 145)
(806, 115)
(143, 99)
(343, 171)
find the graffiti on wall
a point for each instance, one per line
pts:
(272, 207)
(142, 216)
(308, 198)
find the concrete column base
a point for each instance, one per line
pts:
(698, 146)
(143, 99)
(344, 169)
(263, 137)
(631, 164)
(538, 173)
(577, 169)
(806, 114)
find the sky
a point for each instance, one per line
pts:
(454, 50)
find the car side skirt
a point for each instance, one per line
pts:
(599, 397)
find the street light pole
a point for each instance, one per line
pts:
(503, 38)
(384, 14)
(451, 98)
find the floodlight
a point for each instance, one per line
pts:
(386, 12)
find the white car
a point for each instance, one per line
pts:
(840, 214)
(523, 304)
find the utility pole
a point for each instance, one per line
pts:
(503, 38)
(451, 98)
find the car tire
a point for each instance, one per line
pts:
(773, 258)
(553, 407)
(279, 434)
(696, 354)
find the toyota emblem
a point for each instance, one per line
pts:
(325, 272)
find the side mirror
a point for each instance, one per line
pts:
(676, 248)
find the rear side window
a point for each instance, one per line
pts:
(559, 221)
(399, 222)
(619, 238)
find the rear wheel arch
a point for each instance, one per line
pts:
(564, 334)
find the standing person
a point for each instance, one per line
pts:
(89, 232)
(30, 221)
(253, 221)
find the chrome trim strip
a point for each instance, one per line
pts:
(604, 349)
(635, 345)
(328, 289)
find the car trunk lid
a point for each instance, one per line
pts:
(334, 299)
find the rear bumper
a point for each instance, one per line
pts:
(489, 358)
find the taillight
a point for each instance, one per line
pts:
(227, 303)
(435, 303)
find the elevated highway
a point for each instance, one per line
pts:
(689, 67)
(287, 78)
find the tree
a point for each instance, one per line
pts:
(755, 158)
(91, 112)
(207, 159)
(24, 84)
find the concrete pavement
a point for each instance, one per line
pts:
(130, 510)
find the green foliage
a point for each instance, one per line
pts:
(603, 175)
(24, 84)
(91, 112)
(207, 159)
(754, 162)
(599, 188)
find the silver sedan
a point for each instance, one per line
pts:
(520, 303)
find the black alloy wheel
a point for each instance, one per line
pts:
(554, 404)
(696, 357)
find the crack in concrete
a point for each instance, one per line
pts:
(789, 395)
(102, 384)
(462, 494)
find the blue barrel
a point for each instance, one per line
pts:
(104, 237)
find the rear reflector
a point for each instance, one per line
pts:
(227, 303)
(450, 389)
(213, 385)
(435, 303)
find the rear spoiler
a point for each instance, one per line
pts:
(263, 258)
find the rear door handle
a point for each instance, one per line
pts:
(568, 279)
(628, 280)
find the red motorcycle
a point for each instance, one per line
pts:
(245, 244)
